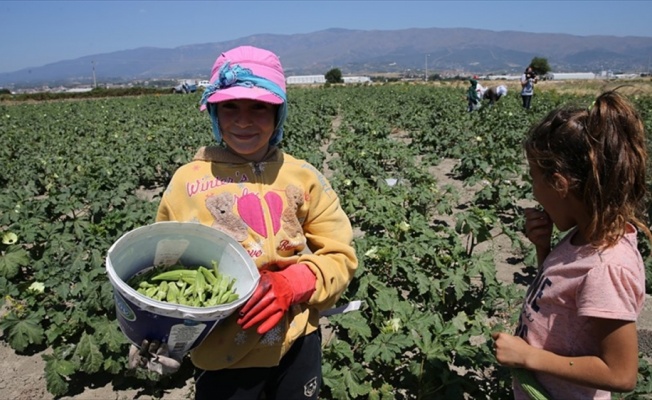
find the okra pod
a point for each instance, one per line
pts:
(172, 294)
(186, 275)
(530, 385)
(209, 277)
(200, 285)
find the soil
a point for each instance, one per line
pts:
(23, 378)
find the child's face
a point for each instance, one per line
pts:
(557, 206)
(247, 126)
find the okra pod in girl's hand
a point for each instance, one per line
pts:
(530, 385)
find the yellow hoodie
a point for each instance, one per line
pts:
(283, 211)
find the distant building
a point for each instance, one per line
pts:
(502, 77)
(356, 79)
(319, 79)
(557, 76)
(79, 90)
(305, 79)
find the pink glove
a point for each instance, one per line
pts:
(275, 293)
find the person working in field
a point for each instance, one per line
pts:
(493, 94)
(277, 207)
(474, 95)
(577, 331)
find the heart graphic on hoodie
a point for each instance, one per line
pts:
(251, 211)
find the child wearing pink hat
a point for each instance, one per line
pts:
(285, 214)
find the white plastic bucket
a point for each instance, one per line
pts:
(167, 243)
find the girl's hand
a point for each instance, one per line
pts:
(511, 351)
(538, 227)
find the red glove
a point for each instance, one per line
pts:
(275, 293)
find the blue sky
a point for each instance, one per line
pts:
(36, 33)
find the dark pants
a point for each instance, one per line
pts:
(298, 376)
(526, 101)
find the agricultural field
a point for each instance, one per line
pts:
(435, 195)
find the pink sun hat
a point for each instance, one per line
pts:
(261, 63)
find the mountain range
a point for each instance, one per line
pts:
(447, 51)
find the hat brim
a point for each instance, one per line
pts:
(244, 93)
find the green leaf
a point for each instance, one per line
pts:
(483, 263)
(421, 280)
(89, 355)
(113, 366)
(341, 349)
(108, 333)
(12, 260)
(458, 280)
(386, 347)
(355, 323)
(354, 380)
(460, 321)
(22, 331)
(387, 299)
(334, 380)
(7, 289)
(55, 371)
(58, 365)
(339, 390)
